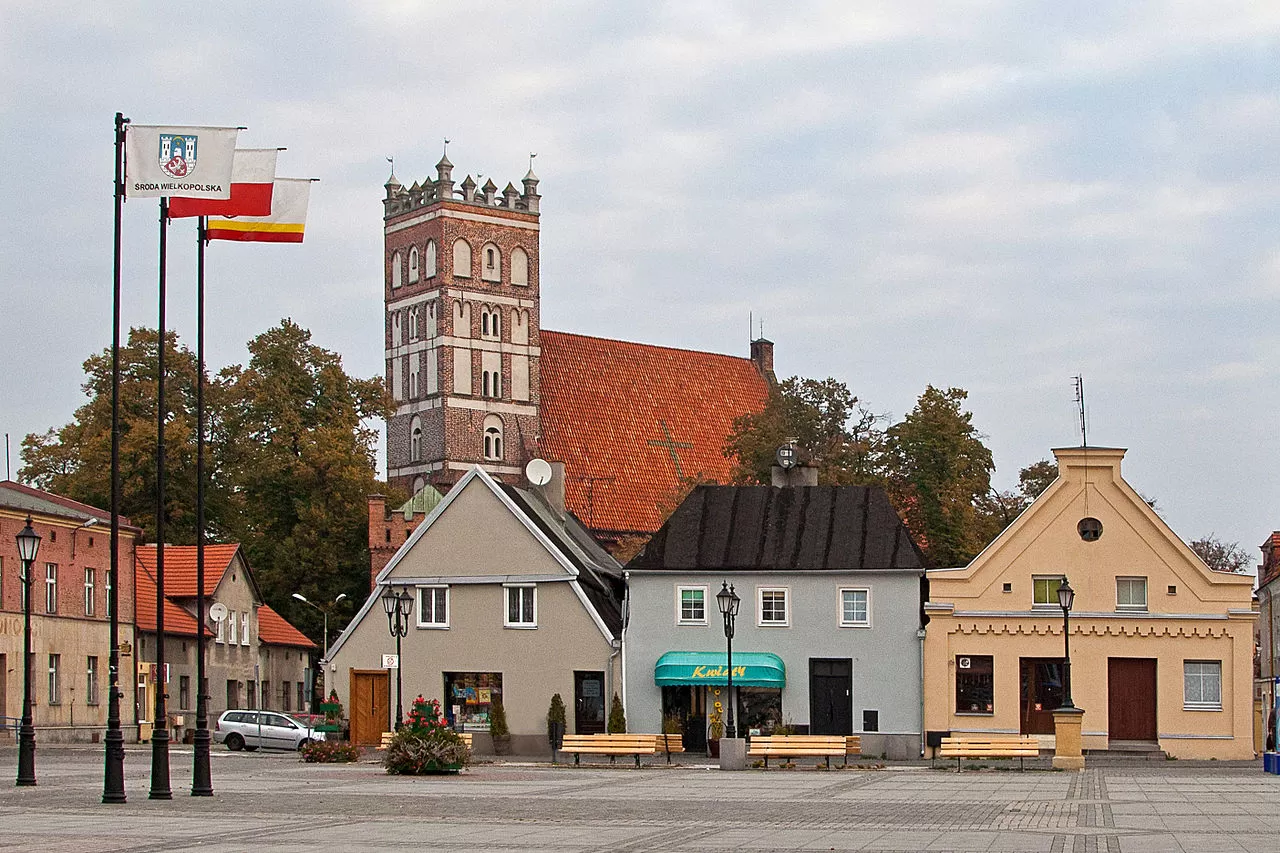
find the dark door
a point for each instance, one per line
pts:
(1041, 684)
(688, 706)
(830, 696)
(588, 703)
(1131, 699)
(370, 709)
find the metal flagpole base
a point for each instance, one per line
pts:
(113, 774)
(160, 765)
(27, 756)
(201, 780)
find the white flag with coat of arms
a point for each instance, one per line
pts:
(178, 162)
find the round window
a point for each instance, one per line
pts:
(1090, 529)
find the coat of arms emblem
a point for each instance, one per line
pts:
(177, 154)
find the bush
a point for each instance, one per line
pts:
(426, 744)
(617, 717)
(498, 719)
(329, 752)
(556, 713)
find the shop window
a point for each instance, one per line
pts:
(522, 607)
(975, 684)
(691, 604)
(855, 608)
(1044, 590)
(759, 710)
(772, 606)
(469, 697)
(1131, 593)
(433, 607)
(1202, 685)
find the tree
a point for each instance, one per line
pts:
(937, 471)
(1036, 477)
(1223, 556)
(825, 421)
(617, 717)
(997, 510)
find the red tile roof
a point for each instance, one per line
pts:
(628, 420)
(273, 629)
(176, 620)
(180, 566)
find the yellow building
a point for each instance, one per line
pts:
(1161, 646)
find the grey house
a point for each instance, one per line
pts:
(828, 638)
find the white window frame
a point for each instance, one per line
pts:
(51, 588)
(222, 631)
(506, 605)
(786, 607)
(854, 623)
(90, 587)
(1214, 673)
(244, 628)
(91, 680)
(422, 611)
(680, 591)
(1041, 605)
(1130, 579)
(55, 679)
(233, 632)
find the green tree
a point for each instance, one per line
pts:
(75, 460)
(937, 471)
(1036, 477)
(997, 509)
(1222, 556)
(823, 418)
(617, 717)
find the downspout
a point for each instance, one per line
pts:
(622, 641)
(920, 636)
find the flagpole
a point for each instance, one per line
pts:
(201, 779)
(160, 727)
(113, 769)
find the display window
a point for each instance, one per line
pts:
(469, 697)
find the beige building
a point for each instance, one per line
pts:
(1161, 646)
(512, 599)
(70, 621)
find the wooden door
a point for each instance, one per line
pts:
(1131, 699)
(370, 710)
(830, 696)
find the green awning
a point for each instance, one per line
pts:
(750, 669)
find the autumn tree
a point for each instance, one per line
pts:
(1223, 556)
(997, 509)
(937, 470)
(824, 419)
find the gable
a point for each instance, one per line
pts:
(475, 534)
(1135, 542)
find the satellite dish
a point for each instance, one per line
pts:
(538, 471)
(218, 611)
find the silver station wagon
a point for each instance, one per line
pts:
(249, 730)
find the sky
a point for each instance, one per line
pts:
(994, 196)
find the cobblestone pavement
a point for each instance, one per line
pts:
(273, 802)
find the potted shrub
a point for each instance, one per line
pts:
(426, 744)
(617, 717)
(498, 728)
(556, 722)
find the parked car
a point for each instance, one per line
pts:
(249, 730)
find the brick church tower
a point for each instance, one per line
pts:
(462, 337)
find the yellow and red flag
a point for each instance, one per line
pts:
(253, 172)
(284, 224)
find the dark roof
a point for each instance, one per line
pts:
(599, 574)
(766, 528)
(29, 499)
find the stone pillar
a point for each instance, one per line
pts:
(733, 753)
(1068, 753)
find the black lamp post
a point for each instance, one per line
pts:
(1066, 597)
(729, 602)
(28, 547)
(398, 605)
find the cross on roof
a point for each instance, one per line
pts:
(671, 447)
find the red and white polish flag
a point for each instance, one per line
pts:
(253, 175)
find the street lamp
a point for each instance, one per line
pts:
(398, 606)
(729, 602)
(324, 611)
(1066, 597)
(28, 547)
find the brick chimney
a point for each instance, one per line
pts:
(762, 358)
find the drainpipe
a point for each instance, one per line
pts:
(622, 640)
(920, 637)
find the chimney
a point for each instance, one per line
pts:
(762, 358)
(553, 492)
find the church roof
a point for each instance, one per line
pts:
(630, 420)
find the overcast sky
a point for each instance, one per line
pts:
(995, 196)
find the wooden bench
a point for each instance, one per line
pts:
(387, 736)
(852, 746)
(961, 747)
(668, 744)
(798, 746)
(610, 745)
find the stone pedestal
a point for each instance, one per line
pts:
(1068, 752)
(733, 753)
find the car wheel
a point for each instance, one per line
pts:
(248, 748)
(235, 743)
(303, 742)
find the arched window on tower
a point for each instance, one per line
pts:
(415, 440)
(461, 258)
(396, 264)
(491, 323)
(491, 268)
(413, 323)
(413, 264)
(519, 267)
(429, 262)
(493, 438)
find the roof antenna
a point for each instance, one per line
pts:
(751, 325)
(1079, 382)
